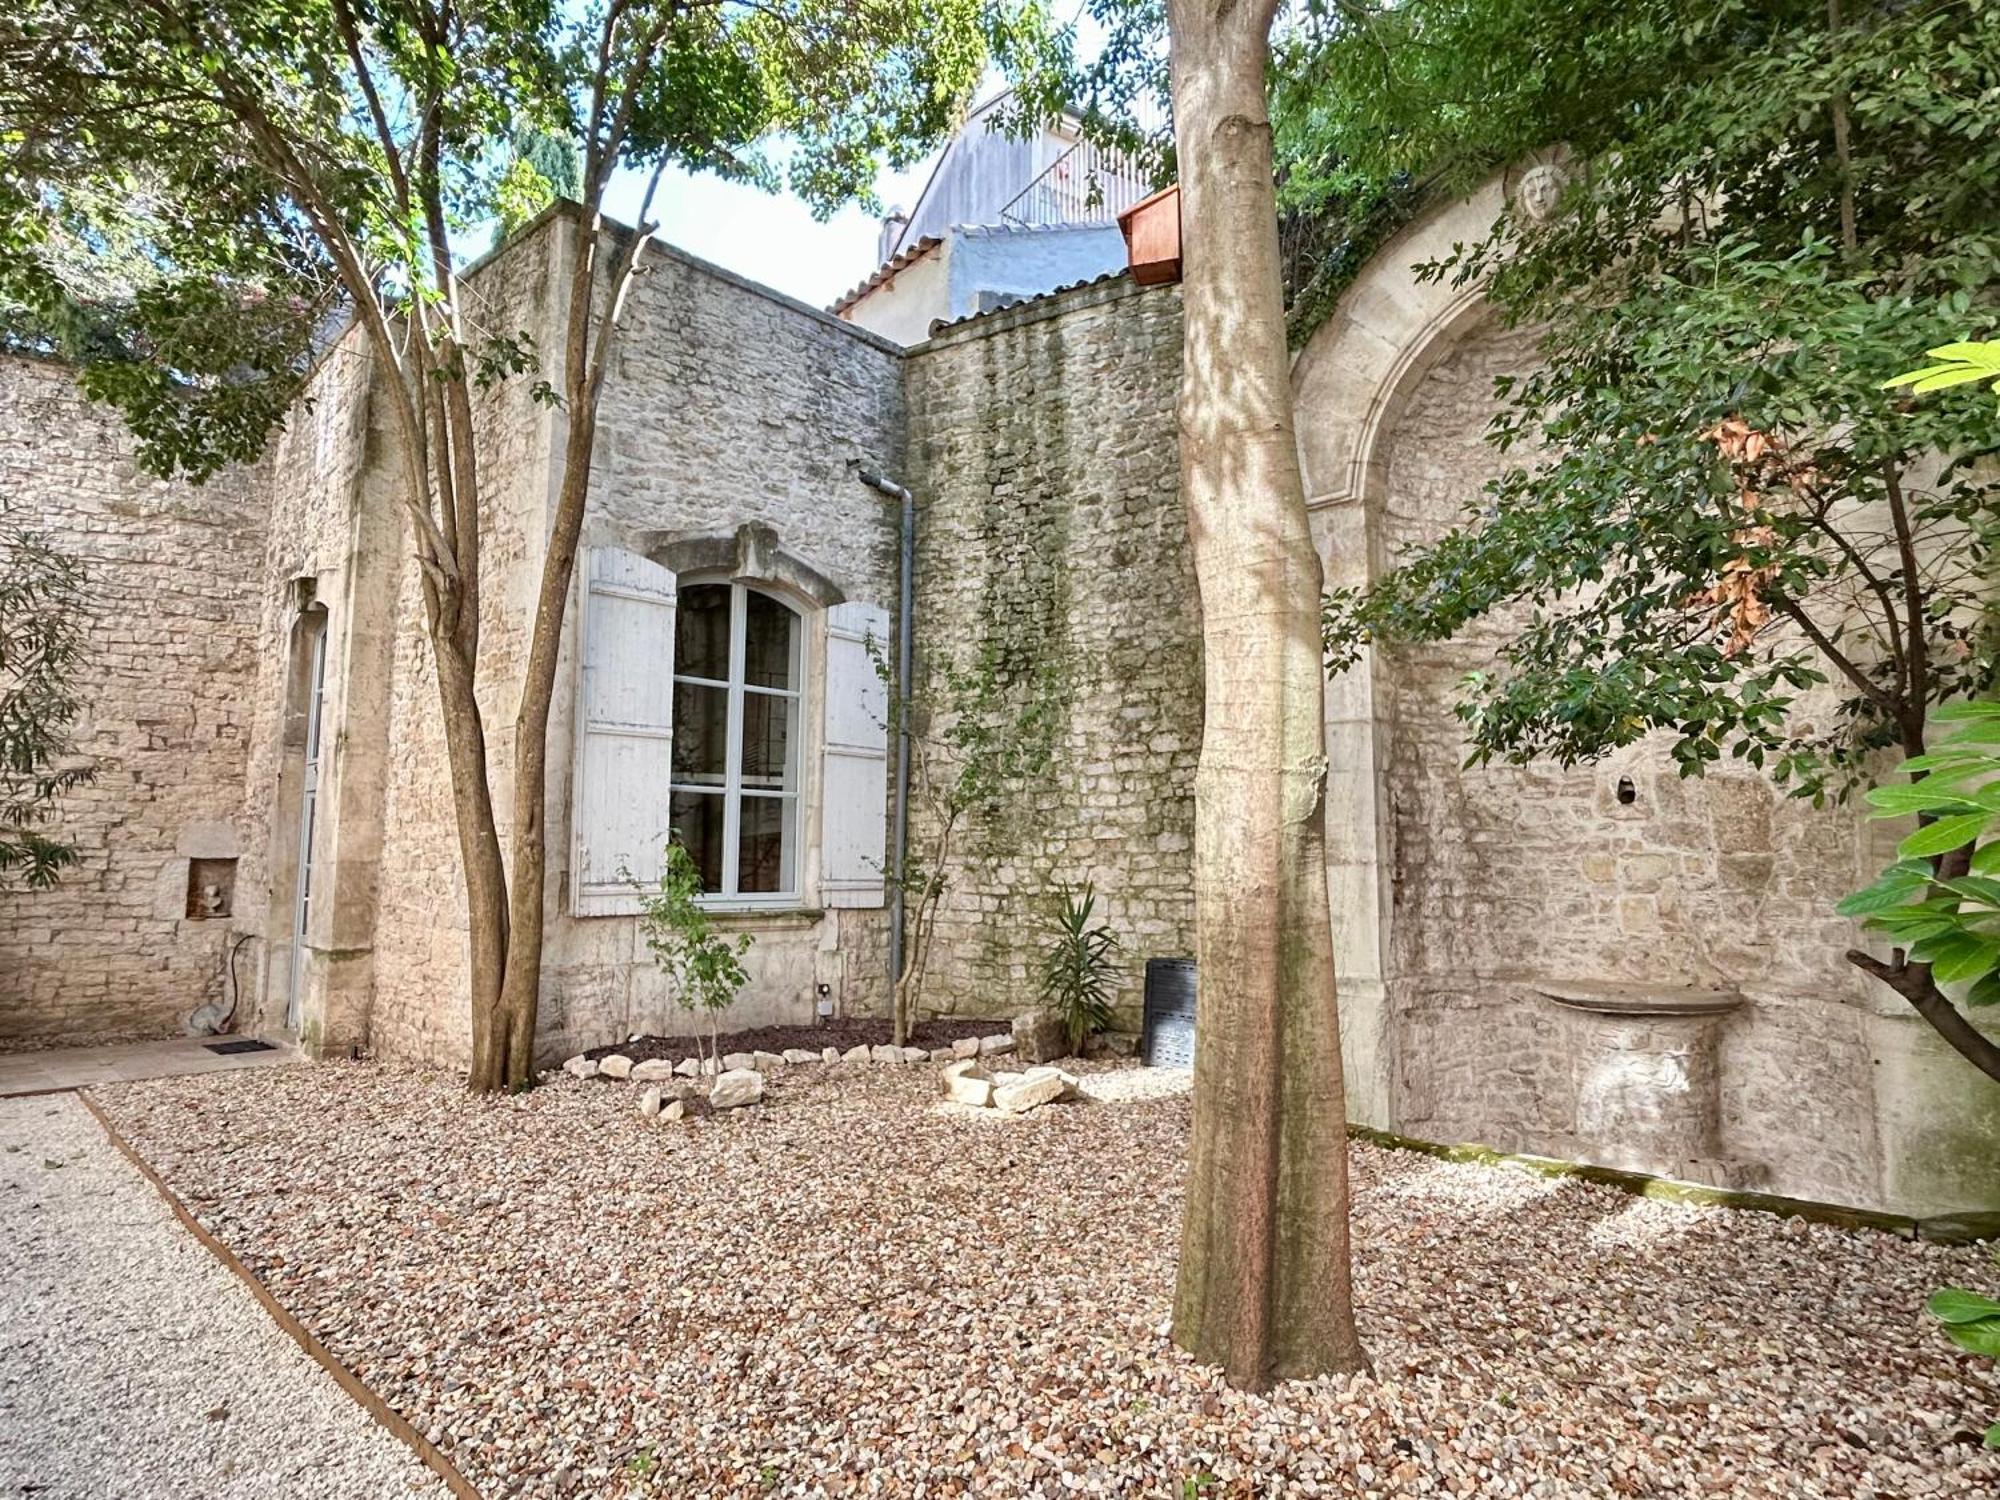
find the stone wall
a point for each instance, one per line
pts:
(1051, 541)
(728, 407)
(335, 543)
(172, 571)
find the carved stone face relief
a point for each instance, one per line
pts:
(1541, 188)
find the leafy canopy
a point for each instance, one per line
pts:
(1713, 506)
(1946, 915)
(189, 187)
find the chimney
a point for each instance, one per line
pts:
(893, 224)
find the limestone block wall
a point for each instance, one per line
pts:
(1490, 922)
(1051, 536)
(729, 407)
(333, 547)
(172, 571)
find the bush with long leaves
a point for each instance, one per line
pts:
(1080, 965)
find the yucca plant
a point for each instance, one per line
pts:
(1080, 964)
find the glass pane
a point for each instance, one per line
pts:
(701, 733)
(767, 723)
(770, 643)
(701, 632)
(764, 847)
(697, 822)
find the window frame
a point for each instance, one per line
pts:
(732, 790)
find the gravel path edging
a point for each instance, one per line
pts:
(1969, 1228)
(371, 1403)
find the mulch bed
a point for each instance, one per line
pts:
(840, 1033)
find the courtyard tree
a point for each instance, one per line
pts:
(1264, 1283)
(41, 646)
(1718, 526)
(277, 157)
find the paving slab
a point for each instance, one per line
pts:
(123, 1062)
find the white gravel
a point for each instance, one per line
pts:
(847, 1291)
(133, 1366)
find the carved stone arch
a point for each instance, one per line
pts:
(1349, 385)
(752, 553)
(1387, 331)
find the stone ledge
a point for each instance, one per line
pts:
(1638, 999)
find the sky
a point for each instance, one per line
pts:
(768, 237)
(773, 238)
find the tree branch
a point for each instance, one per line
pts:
(1914, 983)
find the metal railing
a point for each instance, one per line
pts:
(1087, 184)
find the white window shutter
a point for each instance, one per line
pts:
(854, 779)
(625, 733)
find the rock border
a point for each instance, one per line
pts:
(739, 1078)
(619, 1067)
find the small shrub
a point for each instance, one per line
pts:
(705, 967)
(1079, 965)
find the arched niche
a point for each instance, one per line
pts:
(1463, 899)
(1349, 384)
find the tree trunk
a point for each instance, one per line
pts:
(479, 855)
(1264, 1287)
(584, 362)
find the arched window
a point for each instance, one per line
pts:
(738, 697)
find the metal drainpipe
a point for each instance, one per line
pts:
(905, 616)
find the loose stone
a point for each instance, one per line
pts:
(736, 1087)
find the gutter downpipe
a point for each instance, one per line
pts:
(905, 620)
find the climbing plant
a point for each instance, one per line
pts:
(1711, 507)
(41, 650)
(977, 734)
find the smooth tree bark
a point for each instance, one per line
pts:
(1264, 1286)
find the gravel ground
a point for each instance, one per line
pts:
(852, 1291)
(133, 1366)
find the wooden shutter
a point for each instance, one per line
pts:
(854, 778)
(625, 732)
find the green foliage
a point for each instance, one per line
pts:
(188, 188)
(1713, 506)
(1945, 911)
(1080, 965)
(978, 733)
(1957, 364)
(540, 169)
(41, 649)
(705, 968)
(1972, 1322)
